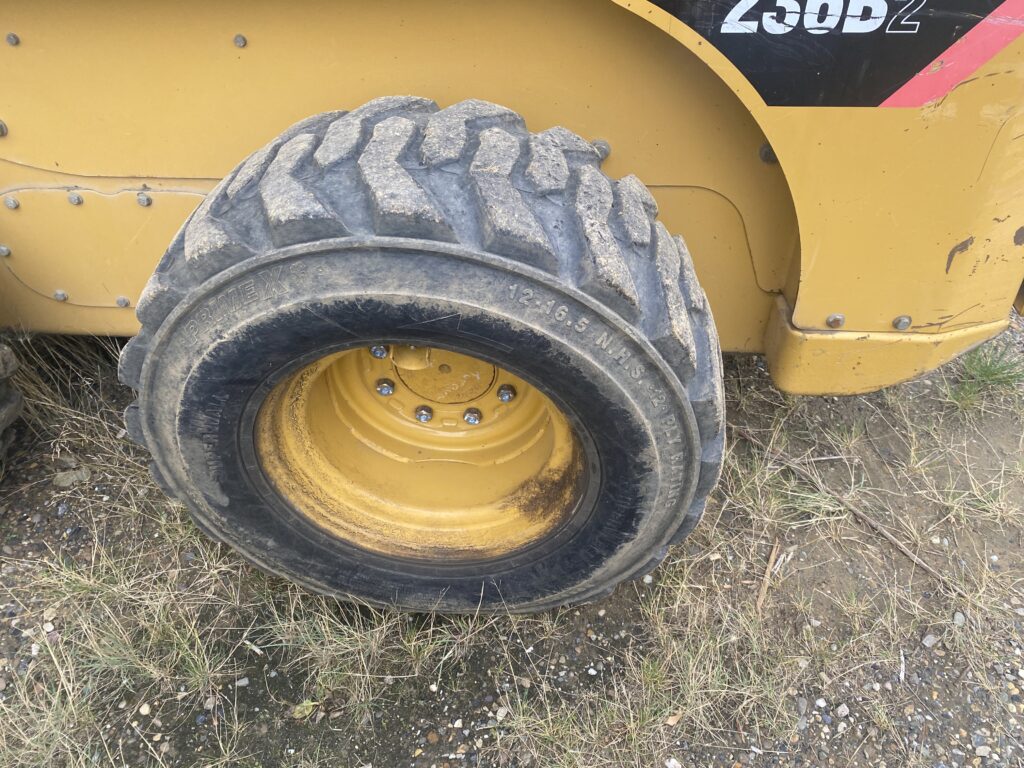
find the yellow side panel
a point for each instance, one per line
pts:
(159, 92)
(91, 271)
(919, 220)
(842, 362)
(871, 213)
(901, 211)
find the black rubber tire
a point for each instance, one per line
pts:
(457, 228)
(10, 401)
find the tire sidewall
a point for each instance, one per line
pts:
(227, 344)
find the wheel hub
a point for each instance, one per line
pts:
(420, 452)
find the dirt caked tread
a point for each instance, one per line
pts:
(470, 174)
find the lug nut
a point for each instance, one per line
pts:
(835, 321)
(144, 200)
(11, 202)
(60, 295)
(472, 416)
(385, 387)
(902, 322)
(123, 302)
(424, 413)
(5, 251)
(241, 41)
(12, 38)
(379, 351)
(506, 393)
(74, 198)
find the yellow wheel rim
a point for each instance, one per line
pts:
(420, 453)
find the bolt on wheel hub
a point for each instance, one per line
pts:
(421, 452)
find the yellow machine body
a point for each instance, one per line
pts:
(814, 228)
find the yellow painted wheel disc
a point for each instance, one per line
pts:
(422, 453)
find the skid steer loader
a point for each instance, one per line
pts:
(461, 349)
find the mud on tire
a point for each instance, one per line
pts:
(400, 222)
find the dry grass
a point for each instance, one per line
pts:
(985, 376)
(779, 593)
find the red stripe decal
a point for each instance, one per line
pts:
(963, 58)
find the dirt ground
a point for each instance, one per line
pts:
(853, 597)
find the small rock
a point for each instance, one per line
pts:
(648, 579)
(68, 460)
(673, 763)
(929, 641)
(144, 710)
(959, 619)
(242, 682)
(71, 477)
(501, 714)
(983, 751)
(820, 703)
(842, 710)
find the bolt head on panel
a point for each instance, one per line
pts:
(902, 322)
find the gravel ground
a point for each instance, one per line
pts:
(787, 631)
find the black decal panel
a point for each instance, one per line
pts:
(830, 52)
